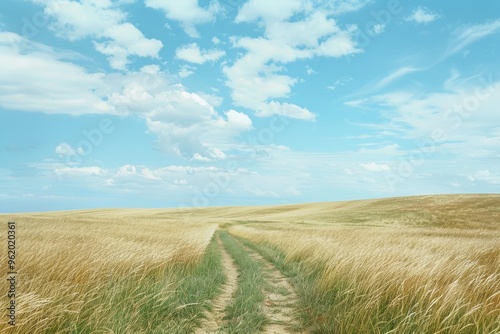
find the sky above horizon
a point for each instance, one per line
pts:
(195, 103)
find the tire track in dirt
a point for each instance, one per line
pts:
(280, 299)
(214, 319)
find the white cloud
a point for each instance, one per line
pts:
(199, 157)
(338, 45)
(460, 121)
(422, 15)
(103, 22)
(239, 120)
(187, 12)
(149, 174)
(285, 109)
(193, 54)
(356, 103)
(190, 183)
(80, 171)
(255, 78)
(401, 72)
(268, 10)
(378, 28)
(185, 71)
(64, 149)
(310, 71)
(342, 81)
(345, 6)
(485, 176)
(279, 10)
(250, 88)
(467, 35)
(127, 170)
(127, 40)
(185, 123)
(40, 79)
(375, 167)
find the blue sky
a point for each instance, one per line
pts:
(163, 103)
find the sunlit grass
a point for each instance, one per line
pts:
(115, 272)
(390, 278)
(403, 265)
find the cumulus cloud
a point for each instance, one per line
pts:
(256, 78)
(185, 123)
(422, 15)
(238, 120)
(65, 149)
(187, 12)
(105, 24)
(39, 78)
(127, 170)
(193, 54)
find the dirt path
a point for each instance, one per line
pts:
(213, 321)
(279, 301)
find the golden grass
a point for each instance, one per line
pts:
(406, 276)
(416, 264)
(70, 262)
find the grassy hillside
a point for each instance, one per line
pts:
(401, 265)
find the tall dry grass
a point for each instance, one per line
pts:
(391, 278)
(404, 265)
(97, 271)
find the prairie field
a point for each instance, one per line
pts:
(427, 264)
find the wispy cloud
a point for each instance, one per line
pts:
(401, 72)
(466, 36)
(357, 99)
(375, 167)
(76, 171)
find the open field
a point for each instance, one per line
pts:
(426, 264)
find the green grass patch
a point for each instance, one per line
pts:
(245, 313)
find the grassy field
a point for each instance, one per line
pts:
(112, 271)
(427, 264)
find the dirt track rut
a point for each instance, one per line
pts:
(280, 298)
(214, 319)
(278, 305)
